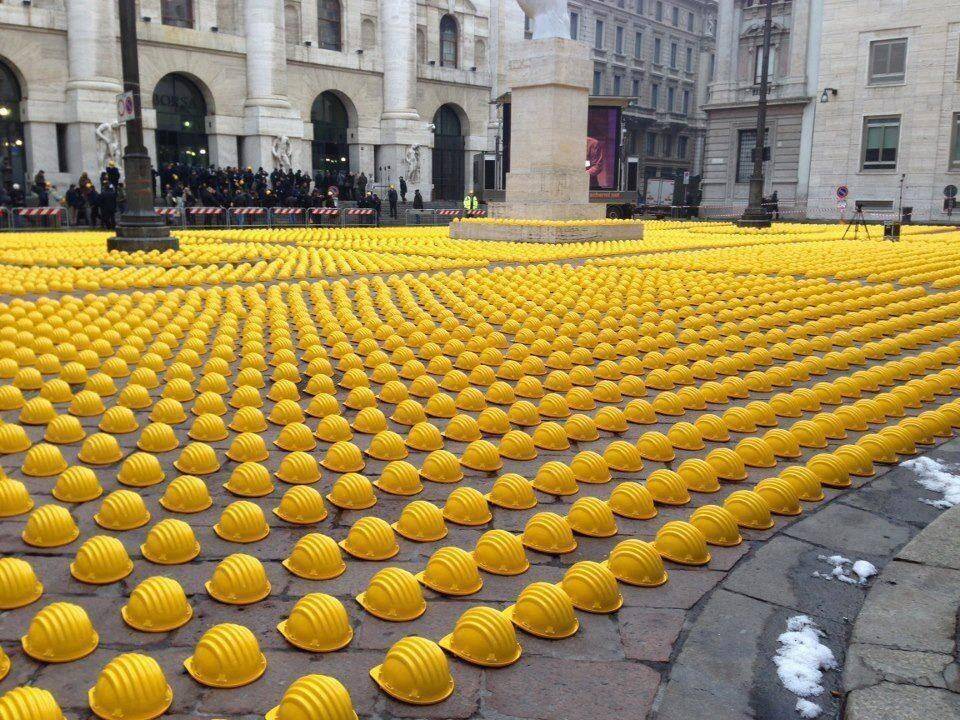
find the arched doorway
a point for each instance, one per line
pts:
(448, 149)
(181, 117)
(331, 154)
(12, 162)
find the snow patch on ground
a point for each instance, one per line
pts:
(936, 477)
(851, 572)
(801, 659)
(807, 709)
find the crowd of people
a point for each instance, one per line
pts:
(83, 202)
(96, 204)
(177, 185)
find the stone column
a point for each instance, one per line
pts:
(550, 84)
(267, 111)
(799, 35)
(400, 123)
(93, 84)
(725, 70)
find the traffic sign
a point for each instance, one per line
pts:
(125, 108)
(686, 177)
(842, 192)
(950, 191)
(841, 205)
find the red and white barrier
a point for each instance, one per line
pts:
(39, 211)
(324, 211)
(167, 211)
(206, 210)
(361, 211)
(448, 213)
(287, 211)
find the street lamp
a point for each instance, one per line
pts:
(756, 215)
(139, 227)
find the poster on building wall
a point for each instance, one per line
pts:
(603, 137)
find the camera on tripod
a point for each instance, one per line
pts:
(859, 206)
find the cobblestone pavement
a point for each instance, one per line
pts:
(697, 645)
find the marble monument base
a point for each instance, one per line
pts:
(573, 232)
(550, 85)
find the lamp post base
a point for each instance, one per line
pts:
(755, 218)
(142, 236)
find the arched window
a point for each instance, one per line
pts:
(480, 53)
(291, 22)
(227, 20)
(329, 25)
(178, 13)
(448, 41)
(421, 45)
(368, 34)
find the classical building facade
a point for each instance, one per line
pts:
(731, 107)
(865, 94)
(890, 75)
(659, 54)
(388, 87)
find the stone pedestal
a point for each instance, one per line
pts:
(549, 86)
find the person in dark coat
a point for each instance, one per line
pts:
(392, 200)
(113, 173)
(108, 207)
(417, 200)
(403, 191)
(362, 185)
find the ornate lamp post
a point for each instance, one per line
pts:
(756, 215)
(139, 227)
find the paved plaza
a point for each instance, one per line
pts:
(750, 394)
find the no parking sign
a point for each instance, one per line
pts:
(125, 107)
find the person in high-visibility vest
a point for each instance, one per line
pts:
(470, 202)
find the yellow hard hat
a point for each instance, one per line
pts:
(636, 562)
(317, 623)
(158, 604)
(393, 594)
(415, 671)
(314, 696)
(18, 583)
(130, 686)
(315, 557)
(451, 571)
(544, 610)
(61, 632)
(592, 587)
(238, 580)
(227, 656)
(483, 636)
(101, 560)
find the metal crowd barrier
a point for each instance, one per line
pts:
(220, 217)
(35, 217)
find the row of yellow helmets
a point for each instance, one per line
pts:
(172, 541)
(922, 261)
(621, 320)
(415, 669)
(660, 371)
(30, 275)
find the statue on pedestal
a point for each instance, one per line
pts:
(551, 18)
(108, 144)
(282, 153)
(412, 158)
